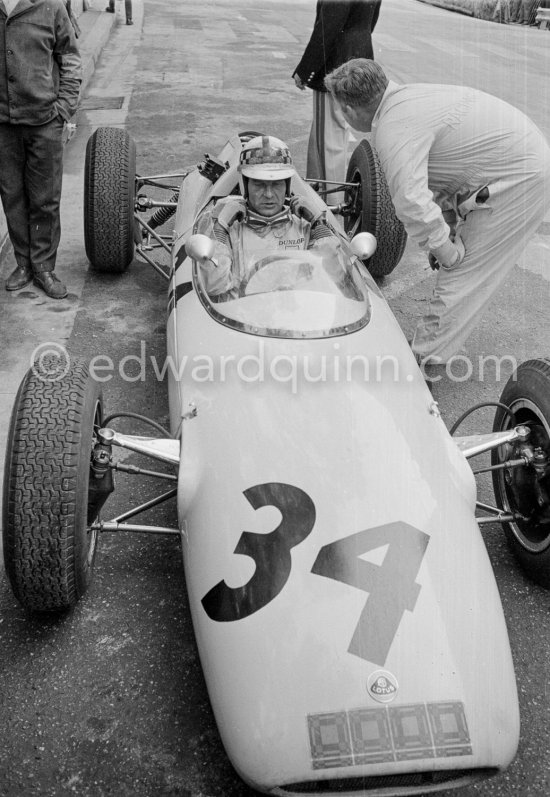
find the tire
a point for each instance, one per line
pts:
(527, 393)
(109, 199)
(373, 210)
(49, 550)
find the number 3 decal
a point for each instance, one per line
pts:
(391, 585)
(271, 553)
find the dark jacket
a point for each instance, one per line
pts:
(40, 67)
(342, 31)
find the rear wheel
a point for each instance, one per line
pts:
(109, 198)
(372, 210)
(526, 490)
(49, 549)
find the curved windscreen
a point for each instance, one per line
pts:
(298, 293)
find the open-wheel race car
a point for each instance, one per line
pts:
(347, 618)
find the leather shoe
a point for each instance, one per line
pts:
(129, 22)
(50, 284)
(19, 277)
(110, 10)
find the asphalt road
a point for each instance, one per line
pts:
(110, 699)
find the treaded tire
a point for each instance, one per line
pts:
(48, 551)
(374, 209)
(109, 198)
(527, 393)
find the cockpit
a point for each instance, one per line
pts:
(309, 293)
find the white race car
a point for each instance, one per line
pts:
(346, 614)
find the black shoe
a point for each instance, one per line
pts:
(19, 277)
(110, 10)
(129, 22)
(50, 284)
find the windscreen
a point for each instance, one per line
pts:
(316, 292)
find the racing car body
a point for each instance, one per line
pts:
(340, 590)
(347, 618)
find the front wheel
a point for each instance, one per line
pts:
(371, 210)
(109, 199)
(526, 490)
(49, 548)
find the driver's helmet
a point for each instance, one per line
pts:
(265, 158)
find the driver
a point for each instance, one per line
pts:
(266, 219)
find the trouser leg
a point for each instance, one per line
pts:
(328, 143)
(128, 9)
(13, 191)
(43, 181)
(494, 237)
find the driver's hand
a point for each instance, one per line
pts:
(229, 214)
(305, 209)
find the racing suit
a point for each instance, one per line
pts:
(451, 153)
(248, 238)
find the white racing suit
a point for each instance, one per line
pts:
(251, 237)
(440, 146)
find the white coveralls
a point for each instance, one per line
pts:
(438, 146)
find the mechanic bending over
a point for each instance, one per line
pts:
(266, 219)
(469, 176)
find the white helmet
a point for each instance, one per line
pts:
(266, 158)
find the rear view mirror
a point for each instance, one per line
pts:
(363, 245)
(200, 247)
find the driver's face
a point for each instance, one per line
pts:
(266, 197)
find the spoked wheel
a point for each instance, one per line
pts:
(372, 210)
(109, 199)
(526, 489)
(48, 506)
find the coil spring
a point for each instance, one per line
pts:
(161, 215)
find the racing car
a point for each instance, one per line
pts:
(346, 614)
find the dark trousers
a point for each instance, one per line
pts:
(31, 173)
(127, 8)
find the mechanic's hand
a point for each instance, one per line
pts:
(298, 82)
(448, 255)
(305, 209)
(229, 214)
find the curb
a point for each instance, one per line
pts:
(95, 29)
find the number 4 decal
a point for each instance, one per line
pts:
(391, 585)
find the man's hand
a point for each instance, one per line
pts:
(229, 214)
(448, 255)
(298, 82)
(305, 209)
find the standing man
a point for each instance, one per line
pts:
(40, 76)
(127, 8)
(342, 31)
(469, 176)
